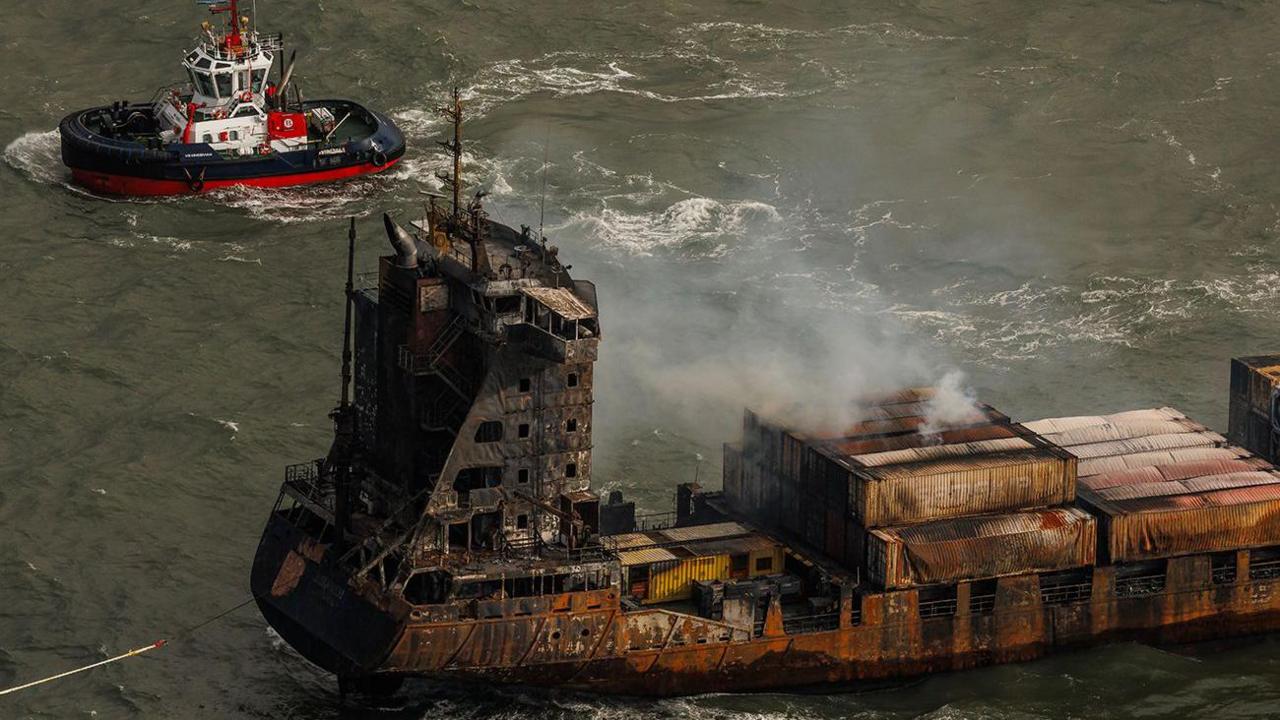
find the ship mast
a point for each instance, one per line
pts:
(453, 113)
(340, 456)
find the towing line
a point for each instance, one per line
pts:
(132, 653)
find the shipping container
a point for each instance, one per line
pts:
(1201, 522)
(947, 551)
(1116, 463)
(1179, 471)
(904, 494)
(662, 566)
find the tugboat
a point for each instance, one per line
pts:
(231, 125)
(452, 531)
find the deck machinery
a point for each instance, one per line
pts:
(451, 530)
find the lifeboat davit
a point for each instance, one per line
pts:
(231, 123)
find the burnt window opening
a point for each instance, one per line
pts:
(571, 379)
(738, 565)
(525, 385)
(458, 536)
(522, 476)
(477, 477)
(507, 305)
(571, 470)
(489, 431)
(428, 588)
(571, 425)
(522, 522)
(523, 430)
(764, 564)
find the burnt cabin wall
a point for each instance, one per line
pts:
(526, 426)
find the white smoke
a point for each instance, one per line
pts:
(953, 403)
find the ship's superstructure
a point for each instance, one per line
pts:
(233, 122)
(452, 530)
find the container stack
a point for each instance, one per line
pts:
(1255, 405)
(1162, 485)
(908, 502)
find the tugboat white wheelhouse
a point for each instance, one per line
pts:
(230, 123)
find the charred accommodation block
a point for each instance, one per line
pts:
(476, 386)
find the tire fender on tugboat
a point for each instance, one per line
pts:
(378, 158)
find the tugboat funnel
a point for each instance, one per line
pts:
(402, 242)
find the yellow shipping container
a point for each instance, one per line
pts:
(666, 574)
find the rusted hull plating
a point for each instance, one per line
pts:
(882, 636)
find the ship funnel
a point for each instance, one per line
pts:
(403, 243)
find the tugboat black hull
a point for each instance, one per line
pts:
(127, 165)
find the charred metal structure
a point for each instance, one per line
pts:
(452, 531)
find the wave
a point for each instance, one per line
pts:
(697, 224)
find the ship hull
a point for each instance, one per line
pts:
(311, 606)
(881, 638)
(129, 167)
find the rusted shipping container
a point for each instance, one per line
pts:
(903, 494)
(1117, 463)
(980, 547)
(1156, 527)
(1178, 471)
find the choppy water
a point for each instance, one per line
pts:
(1073, 202)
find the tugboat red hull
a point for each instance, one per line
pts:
(116, 151)
(126, 185)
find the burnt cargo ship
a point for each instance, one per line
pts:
(452, 530)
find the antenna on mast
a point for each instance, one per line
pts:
(453, 113)
(542, 208)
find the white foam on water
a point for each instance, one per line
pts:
(38, 156)
(687, 221)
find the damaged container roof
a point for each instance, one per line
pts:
(981, 547)
(981, 464)
(1169, 487)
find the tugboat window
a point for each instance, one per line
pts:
(224, 85)
(259, 77)
(208, 138)
(204, 84)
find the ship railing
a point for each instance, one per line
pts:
(256, 43)
(655, 521)
(1264, 569)
(1140, 585)
(982, 604)
(305, 478)
(938, 608)
(1066, 594)
(811, 623)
